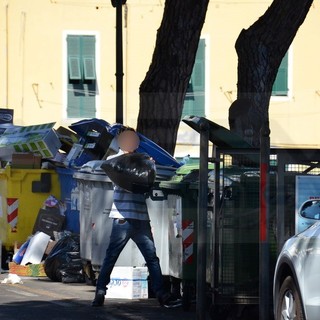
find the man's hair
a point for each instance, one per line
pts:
(125, 128)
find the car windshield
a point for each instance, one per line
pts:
(311, 210)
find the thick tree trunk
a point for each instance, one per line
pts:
(163, 90)
(260, 51)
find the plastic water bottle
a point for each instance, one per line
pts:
(185, 159)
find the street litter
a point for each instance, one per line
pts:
(12, 279)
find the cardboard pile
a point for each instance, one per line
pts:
(93, 141)
(84, 141)
(28, 259)
(26, 146)
(37, 139)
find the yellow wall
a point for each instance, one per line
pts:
(294, 119)
(33, 31)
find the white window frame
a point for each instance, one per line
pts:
(66, 33)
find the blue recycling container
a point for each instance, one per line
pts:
(70, 196)
(159, 155)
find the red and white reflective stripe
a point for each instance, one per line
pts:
(12, 210)
(187, 240)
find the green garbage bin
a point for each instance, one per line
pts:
(182, 196)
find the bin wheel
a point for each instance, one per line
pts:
(6, 258)
(187, 295)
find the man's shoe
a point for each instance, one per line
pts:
(98, 300)
(169, 301)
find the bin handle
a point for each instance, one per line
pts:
(157, 195)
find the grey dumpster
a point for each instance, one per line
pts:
(96, 197)
(95, 226)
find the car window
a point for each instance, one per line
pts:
(311, 210)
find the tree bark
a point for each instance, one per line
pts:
(163, 90)
(260, 50)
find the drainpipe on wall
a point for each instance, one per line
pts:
(7, 56)
(119, 60)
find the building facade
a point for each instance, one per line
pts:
(58, 64)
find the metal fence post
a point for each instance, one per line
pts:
(264, 257)
(202, 223)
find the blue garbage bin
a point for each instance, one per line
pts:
(70, 196)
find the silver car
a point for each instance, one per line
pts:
(296, 287)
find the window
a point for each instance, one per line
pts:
(194, 102)
(81, 84)
(280, 86)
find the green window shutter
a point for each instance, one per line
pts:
(89, 68)
(81, 100)
(88, 45)
(74, 68)
(88, 57)
(198, 75)
(280, 86)
(82, 85)
(194, 103)
(74, 54)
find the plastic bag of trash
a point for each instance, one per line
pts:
(134, 172)
(64, 264)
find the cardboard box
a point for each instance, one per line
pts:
(26, 160)
(40, 139)
(67, 138)
(50, 246)
(97, 143)
(31, 270)
(128, 283)
(74, 153)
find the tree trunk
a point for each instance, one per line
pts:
(260, 50)
(163, 90)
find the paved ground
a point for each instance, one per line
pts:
(40, 298)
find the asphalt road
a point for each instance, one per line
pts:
(40, 298)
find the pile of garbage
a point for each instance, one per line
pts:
(83, 146)
(50, 251)
(59, 260)
(83, 142)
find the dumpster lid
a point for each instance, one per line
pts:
(218, 135)
(189, 167)
(91, 177)
(93, 166)
(159, 155)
